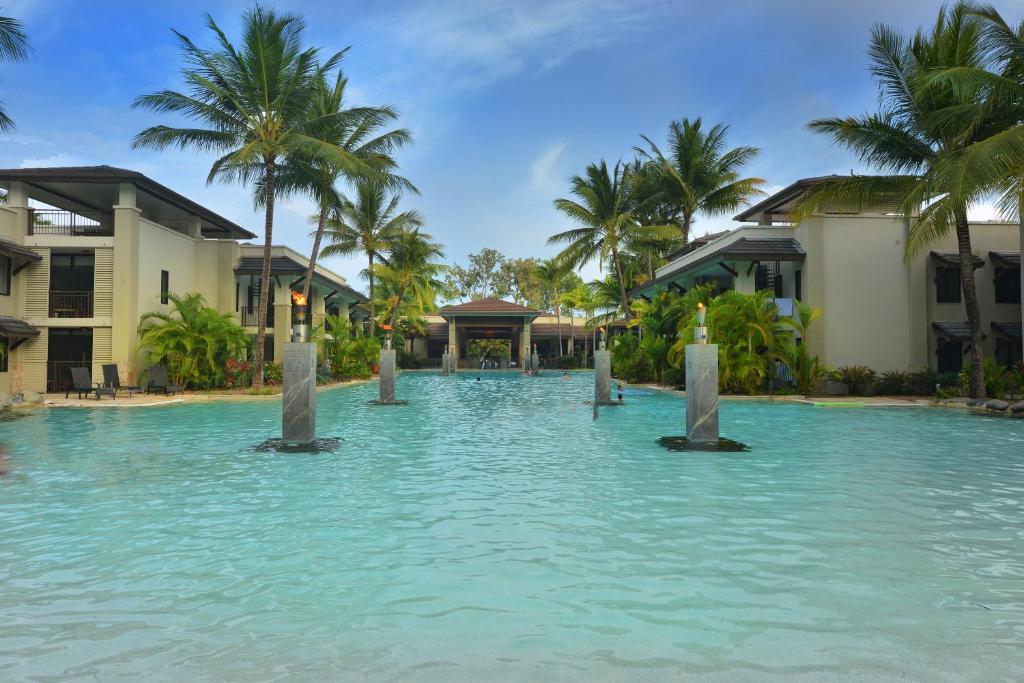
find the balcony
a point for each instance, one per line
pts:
(68, 224)
(71, 304)
(249, 316)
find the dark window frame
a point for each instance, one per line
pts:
(5, 277)
(798, 284)
(1006, 284)
(165, 286)
(7, 353)
(947, 285)
(949, 356)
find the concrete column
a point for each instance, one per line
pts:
(702, 393)
(282, 318)
(525, 346)
(387, 376)
(602, 376)
(298, 405)
(195, 228)
(125, 319)
(453, 342)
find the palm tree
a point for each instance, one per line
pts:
(412, 267)
(552, 273)
(581, 298)
(252, 104)
(924, 124)
(368, 225)
(698, 174)
(355, 130)
(14, 48)
(193, 340)
(605, 212)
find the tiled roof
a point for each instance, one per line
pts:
(16, 327)
(112, 174)
(783, 196)
(954, 331)
(551, 330)
(951, 259)
(286, 265)
(1006, 258)
(696, 243)
(488, 307)
(1008, 330)
(18, 252)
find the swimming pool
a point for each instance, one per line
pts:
(492, 530)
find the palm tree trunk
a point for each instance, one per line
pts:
(963, 240)
(268, 234)
(373, 306)
(393, 318)
(558, 319)
(687, 222)
(622, 284)
(321, 222)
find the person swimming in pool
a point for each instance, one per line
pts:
(565, 375)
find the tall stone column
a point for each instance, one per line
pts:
(125, 318)
(298, 405)
(282, 318)
(453, 345)
(387, 375)
(602, 376)
(702, 393)
(525, 346)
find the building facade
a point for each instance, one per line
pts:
(86, 251)
(880, 310)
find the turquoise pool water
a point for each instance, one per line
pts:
(493, 531)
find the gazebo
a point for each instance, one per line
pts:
(489, 319)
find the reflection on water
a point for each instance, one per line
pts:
(493, 531)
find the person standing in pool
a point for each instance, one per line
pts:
(618, 388)
(565, 375)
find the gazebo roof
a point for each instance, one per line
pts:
(489, 308)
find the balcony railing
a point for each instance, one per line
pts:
(249, 317)
(70, 304)
(58, 374)
(56, 222)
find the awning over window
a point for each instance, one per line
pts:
(951, 259)
(16, 328)
(1005, 259)
(1007, 330)
(20, 256)
(953, 331)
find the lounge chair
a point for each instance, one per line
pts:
(159, 382)
(112, 380)
(81, 381)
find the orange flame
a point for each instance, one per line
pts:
(298, 299)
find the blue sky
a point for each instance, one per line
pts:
(506, 100)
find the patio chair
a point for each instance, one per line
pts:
(81, 381)
(112, 380)
(159, 383)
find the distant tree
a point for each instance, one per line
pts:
(460, 283)
(698, 174)
(485, 265)
(412, 268)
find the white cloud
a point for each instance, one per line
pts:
(61, 159)
(542, 170)
(17, 139)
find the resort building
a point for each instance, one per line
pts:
(519, 327)
(879, 310)
(86, 251)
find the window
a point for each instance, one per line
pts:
(778, 286)
(1008, 352)
(1007, 285)
(165, 286)
(798, 282)
(947, 285)
(767, 277)
(237, 287)
(5, 275)
(950, 356)
(5, 351)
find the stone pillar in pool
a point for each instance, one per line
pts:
(387, 374)
(298, 404)
(444, 362)
(535, 360)
(701, 385)
(602, 375)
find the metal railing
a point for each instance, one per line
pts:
(70, 304)
(249, 317)
(58, 374)
(57, 222)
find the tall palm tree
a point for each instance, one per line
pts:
(552, 273)
(13, 48)
(414, 269)
(923, 124)
(698, 174)
(357, 131)
(369, 225)
(605, 212)
(251, 104)
(581, 297)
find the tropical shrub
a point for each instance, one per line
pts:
(808, 371)
(627, 361)
(273, 373)
(673, 377)
(568, 362)
(1000, 380)
(408, 360)
(194, 341)
(858, 378)
(237, 373)
(894, 383)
